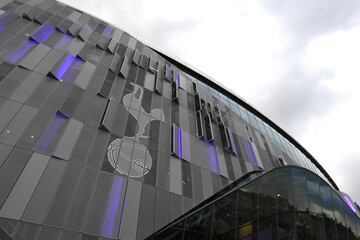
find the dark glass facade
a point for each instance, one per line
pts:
(284, 203)
(103, 137)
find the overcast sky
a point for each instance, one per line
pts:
(296, 61)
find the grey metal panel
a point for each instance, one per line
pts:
(18, 125)
(75, 46)
(41, 199)
(7, 112)
(85, 75)
(149, 82)
(175, 175)
(75, 29)
(21, 193)
(27, 87)
(74, 16)
(68, 140)
(4, 2)
(221, 161)
(115, 63)
(81, 201)
(131, 210)
(207, 183)
(35, 56)
(147, 212)
(84, 34)
(4, 152)
(11, 170)
(73, 98)
(97, 208)
(161, 209)
(48, 62)
(109, 115)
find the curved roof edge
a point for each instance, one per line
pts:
(221, 88)
(227, 92)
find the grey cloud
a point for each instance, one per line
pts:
(308, 18)
(299, 96)
(162, 31)
(348, 166)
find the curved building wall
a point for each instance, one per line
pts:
(285, 203)
(101, 136)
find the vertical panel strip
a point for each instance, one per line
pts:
(131, 210)
(41, 199)
(68, 140)
(24, 187)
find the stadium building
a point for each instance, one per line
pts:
(105, 137)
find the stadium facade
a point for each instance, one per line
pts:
(105, 137)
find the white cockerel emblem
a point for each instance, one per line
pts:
(127, 156)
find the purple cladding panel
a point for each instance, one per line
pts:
(20, 52)
(6, 19)
(110, 224)
(250, 152)
(50, 132)
(108, 31)
(348, 202)
(70, 74)
(178, 80)
(179, 142)
(213, 158)
(62, 66)
(42, 33)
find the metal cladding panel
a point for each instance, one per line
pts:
(119, 138)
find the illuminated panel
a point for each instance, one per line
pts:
(111, 219)
(213, 158)
(16, 55)
(42, 33)
(179, 139)
(50, 132)
(348, 202)
(61, 67)
(108, 31)
(250, 152)
(6, 19)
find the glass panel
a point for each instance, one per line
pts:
(285, 203)
(301, 204)
(223, 226)
(198, 226)
(267, 227)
